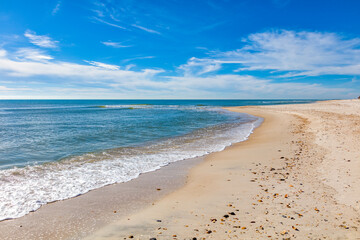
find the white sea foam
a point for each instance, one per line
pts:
(126, 106)
(23, 190)
(163, 107)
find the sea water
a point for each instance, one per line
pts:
(57, 149)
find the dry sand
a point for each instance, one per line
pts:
(298, 176)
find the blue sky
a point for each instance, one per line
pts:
(233, 49)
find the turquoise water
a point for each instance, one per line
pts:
(57, 149)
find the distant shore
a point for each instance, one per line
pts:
(297, 176)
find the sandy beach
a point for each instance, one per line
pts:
(298, 176)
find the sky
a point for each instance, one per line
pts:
(179, 49)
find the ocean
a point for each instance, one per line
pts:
(57, 149)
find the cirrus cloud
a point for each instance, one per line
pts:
(115, 44)
(40, 40)
(287, 53)
(31, 54)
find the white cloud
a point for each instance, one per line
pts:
(245, 86)
(123, 15)
(103, 65)
(197, 66)
(115, 44)
(3, 88)
(129, 66)
(108, 23)
(40, 40)
(7, 89)
(95, 72)
(137, 58)
(31, 54)
(285, 52)
(98, 13)
(56, 8)
(301, 53)
(145, 29)
(3, 53)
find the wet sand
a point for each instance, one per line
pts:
(296, 177)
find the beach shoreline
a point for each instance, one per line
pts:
(76, 217)
(81, 215)
(241, 182)
(145, 223)
(276, 185)
(145, 139)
